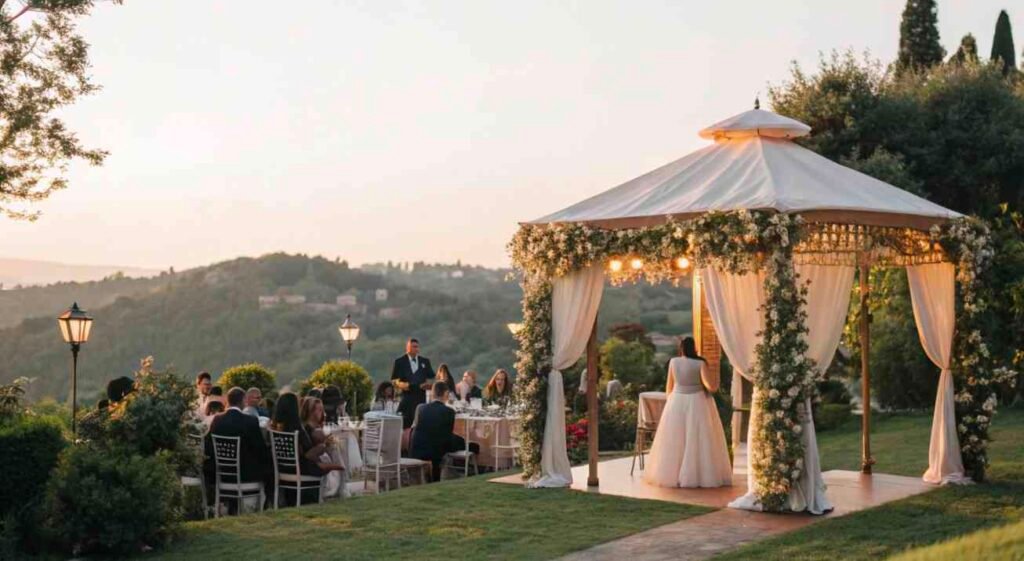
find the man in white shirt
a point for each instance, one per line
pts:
(412, 375)
(203, 386)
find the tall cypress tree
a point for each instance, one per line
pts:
(968, 51)
(1002, 44)
(919, 36)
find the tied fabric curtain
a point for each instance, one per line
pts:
(735, 302)
(933, 294)
(575, 299)
(828, 304)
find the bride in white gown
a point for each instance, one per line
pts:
(689, 447)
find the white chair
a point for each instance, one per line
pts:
(382, 443)
(459, 461)
(644, 435)
(229, 474)
(199, 479)
(287, 474)
(512, 446)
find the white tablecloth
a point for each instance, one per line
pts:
(651, 406)
(347, 439)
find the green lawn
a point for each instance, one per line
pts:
(461, 519)
(900, 445)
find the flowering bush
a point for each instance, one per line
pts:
(617, 426)
(576, 441)
(251, 375)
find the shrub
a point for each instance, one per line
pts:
(830, 416)
(351, 378)
(617, 427)
(576, 441)
(152, 418)
(251, 375)
(107, 501)
(29, 447)
(627, 362)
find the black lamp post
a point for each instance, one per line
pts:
(349, 333)
(75, 325)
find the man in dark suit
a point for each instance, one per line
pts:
(253, 452)
(434, 435)
(412, 375)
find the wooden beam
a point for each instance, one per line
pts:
(866, 461)
(593, 409)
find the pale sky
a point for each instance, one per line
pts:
(376, 130)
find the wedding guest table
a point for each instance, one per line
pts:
(651, 406)
(346, 434)
(490, 429)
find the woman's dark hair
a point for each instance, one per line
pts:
(214, 407)
(286, 413)
(381, 389)
(118, 388)
(216, 390)
(688, 348)
(444, 371)
(331, 399)
(315, 392)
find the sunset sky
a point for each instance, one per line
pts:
(376, 130)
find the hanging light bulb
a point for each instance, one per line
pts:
(683, 263)
(615, 265)
(636, 264)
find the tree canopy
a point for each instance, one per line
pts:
(919, 36)
(1003, 50)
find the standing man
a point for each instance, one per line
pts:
(412, 375)
(203, 386)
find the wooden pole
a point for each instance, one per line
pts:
(866, 461)
(592, 406)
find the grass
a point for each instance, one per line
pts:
(900, 445)
(998, 544)
(463, 519)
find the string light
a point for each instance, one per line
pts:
(636, 264)
(615, 265)
(683, 263)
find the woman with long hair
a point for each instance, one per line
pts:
(288, 419)
(384, 396)
(689, 447)
(444, 374)
(499, 389)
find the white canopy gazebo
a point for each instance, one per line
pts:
(850, 220)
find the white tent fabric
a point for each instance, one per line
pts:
(932, 294)
(749, 168)
(575, 299)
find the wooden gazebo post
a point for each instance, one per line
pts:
(866, 461)
(593, 417)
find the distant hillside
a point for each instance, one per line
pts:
(283, 310)
(28, 272)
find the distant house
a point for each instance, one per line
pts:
(294, 299)
(347, 300)
(390, 313)
(269, 301)
(457, 274)
(322, 307)
(381, 294)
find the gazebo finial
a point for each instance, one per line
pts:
(757, 101)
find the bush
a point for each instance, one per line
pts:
(251, 375)
(351, 378)
(108, 502)
(627, 362)
(576, 441)
(830, 416)
(617, 427)
(30, 447)
(153, 418)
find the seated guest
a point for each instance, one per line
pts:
(252, 403)
(213, 408)
(444, 374)
(288, 419)
(204, 385)
(118, 388)
(499, 390)
(434, 435)
(253, 452)
(102, 404)
(315, 392)
(467, 388)
(334, 404)
(267, 405)
(385, 395)
(313, 418)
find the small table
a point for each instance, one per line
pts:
(648, 414)
(487, 432)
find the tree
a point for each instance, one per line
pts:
(631, 333)
(629, 363)
(44, 67)
(967, 52)
(919, 36)
(1002, 44)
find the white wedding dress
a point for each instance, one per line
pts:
(689, 447)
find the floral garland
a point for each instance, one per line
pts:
(968, 242)
(736, 242)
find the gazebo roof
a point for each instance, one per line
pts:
(754, 165)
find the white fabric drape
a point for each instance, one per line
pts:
(734, 302)
(828, 303)
(575, 299)
(932, 293)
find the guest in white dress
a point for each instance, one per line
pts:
(689, 447)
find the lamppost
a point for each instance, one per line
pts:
(75, 325)
(349, 332)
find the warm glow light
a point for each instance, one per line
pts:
(349, 330)
(636, 264)
(514, 328)
(75, 325)
(683, 263)
(615, 265)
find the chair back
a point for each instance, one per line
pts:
(382, 439)
(286, 452)
(225, 457)
(373, 436)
